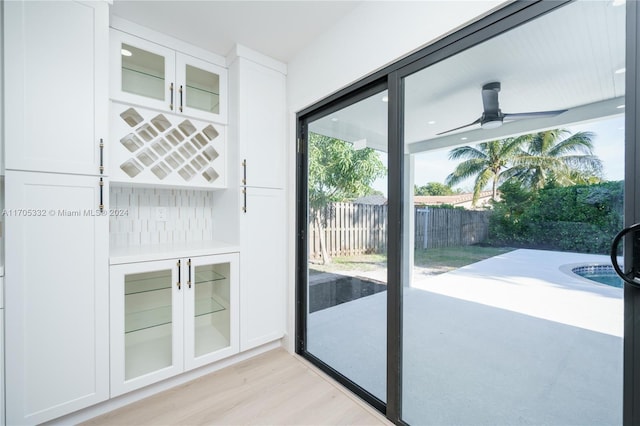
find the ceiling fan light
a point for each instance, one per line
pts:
(492, 124)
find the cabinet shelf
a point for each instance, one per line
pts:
(207, 306)
(206, 91)
(149, 318)
(147, 283)
(143, 83)
(142, 320)
(207, 276)
(142, 73)
(202, 99)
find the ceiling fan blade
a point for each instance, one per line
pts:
(537, 114)
(461, 127)
(490, 98)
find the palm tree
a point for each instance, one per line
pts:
(487, 161)
(556, 156)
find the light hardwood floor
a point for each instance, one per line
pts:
(275, 388)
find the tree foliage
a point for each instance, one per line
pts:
(552, 157)
(337, 172)
(556, 157)
(433, 188)
(486, 162)
(581, 218)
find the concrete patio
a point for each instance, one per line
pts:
(514, 339)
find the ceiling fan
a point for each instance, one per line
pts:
(492, 117)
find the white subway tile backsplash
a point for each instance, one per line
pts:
(188, 216)
(133, 239)
(145, 238)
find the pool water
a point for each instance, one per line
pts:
(603, 274)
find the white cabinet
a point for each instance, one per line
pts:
(260, 107)
(170, 316)
(2, 422)
(258, 132)
(55, 84)
(55, 116)
(263, 277)
(56, 298)
(149, 74)
(149, 147)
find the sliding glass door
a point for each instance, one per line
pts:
(346, 279)
(456, 212)
(512, 313)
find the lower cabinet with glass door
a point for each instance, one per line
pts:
(170, 316)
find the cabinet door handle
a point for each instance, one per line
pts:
(244, 205)
(101, 185)
(189, 281)
(101, 169)
(244, 171)
(180, 97)
(101, 147)
(179, 274)
(171, 92)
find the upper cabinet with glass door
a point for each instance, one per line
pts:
(148, 74)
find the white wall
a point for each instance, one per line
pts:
(375, 34)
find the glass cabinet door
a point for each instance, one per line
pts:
(148, 74)
(211, 309)
(147, 320)
(142, 72)
(201, 88)
(211, 316)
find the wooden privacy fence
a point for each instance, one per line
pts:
(450, 227)
(348, 229)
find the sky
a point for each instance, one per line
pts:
(434, 166)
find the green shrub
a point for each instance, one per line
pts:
(580, 218)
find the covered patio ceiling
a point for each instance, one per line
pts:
(572, 58)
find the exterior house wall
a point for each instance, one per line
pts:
(373, 35)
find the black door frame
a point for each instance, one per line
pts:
(371, 88)
(392, 77)
(631, 366)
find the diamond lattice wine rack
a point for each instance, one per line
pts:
(149, 147)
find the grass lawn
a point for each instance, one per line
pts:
(363, 262)
(455, 257)
(441, 259)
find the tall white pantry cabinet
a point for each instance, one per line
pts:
(56, 271)
(258, 107)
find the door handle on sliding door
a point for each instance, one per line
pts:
(633, 276)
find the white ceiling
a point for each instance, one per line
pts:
(279, 29)
(564, 60)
